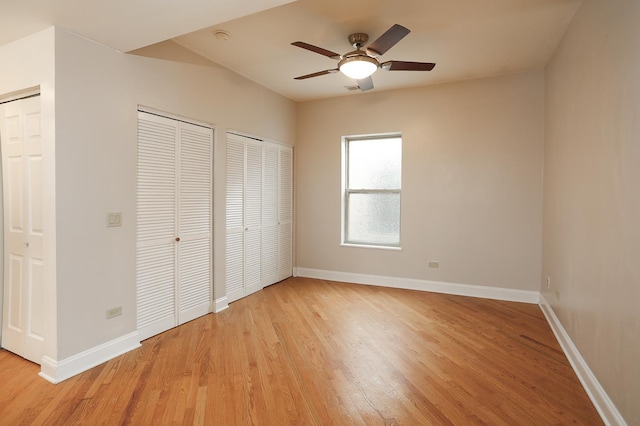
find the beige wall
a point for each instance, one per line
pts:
(592, 193)
(97, 93)
(472, 181)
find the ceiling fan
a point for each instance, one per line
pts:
(361, 64)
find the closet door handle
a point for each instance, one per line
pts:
(177, 238)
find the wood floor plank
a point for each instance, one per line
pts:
(315, 352)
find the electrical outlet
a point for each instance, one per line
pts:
(114, 312)
(434, 264)
(548, 282)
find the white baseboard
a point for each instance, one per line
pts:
(496, 293)
(221, 304)
(57, 371)
(607, 410)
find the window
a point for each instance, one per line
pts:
(371, 182)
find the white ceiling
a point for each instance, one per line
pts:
(123, 25)
(465, 38)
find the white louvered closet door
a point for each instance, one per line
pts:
(173, 247)
(194, 221)
(244, 216)
(285, 213)
(259, 215)
(253, 217)
(270, 213)
(23, 321)
(234, 247)
(156, 222)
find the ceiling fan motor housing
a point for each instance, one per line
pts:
(358, 40)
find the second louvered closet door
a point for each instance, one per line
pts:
(259, 215)
(244, 216)
(173, 247)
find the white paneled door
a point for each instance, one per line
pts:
(22, 323)
(174, 219)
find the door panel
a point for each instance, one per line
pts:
(22, 187)
(285, 216)
(156, 222)
(194, 224)
(270, 215)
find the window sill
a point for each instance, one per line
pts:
(392, 248)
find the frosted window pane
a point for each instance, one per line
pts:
(375, 164)
(374, 218)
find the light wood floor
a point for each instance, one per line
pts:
(312, 352)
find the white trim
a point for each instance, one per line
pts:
(57, 371)
(257, 138)
(496, 293)
(607, 410)
(20, 94)
(371, 246)
(221, 304)
(171, 116)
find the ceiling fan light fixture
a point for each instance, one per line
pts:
(358, 67)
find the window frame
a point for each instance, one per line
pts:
(346, 191)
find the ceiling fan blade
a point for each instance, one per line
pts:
(365, 84)
(316, 74)
(387, 40)
(316, 49)
(407, 66)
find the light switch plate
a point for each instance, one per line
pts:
(114, 219)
